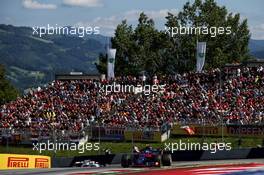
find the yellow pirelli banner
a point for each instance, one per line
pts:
(20, 161)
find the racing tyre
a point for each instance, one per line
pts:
(166, 160)
(125, 161)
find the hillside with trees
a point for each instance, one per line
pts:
(31, 61)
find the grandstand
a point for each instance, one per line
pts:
(213, 98)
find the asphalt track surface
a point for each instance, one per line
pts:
(178, 168)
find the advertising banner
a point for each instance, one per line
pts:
(197, 130)
(108, 134)
(19, 161)
(111, 63)
(200, 56)
(245, 130)
(230, 130)
(146, 136)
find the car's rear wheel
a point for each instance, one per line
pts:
(166, 160)
(125, 161)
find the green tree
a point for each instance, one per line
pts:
(221, 49)
(102, 63)
(7, 91)
(140, 49)
(124, 42)
(147, 49)
(148, 44)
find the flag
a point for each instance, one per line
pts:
(111, 63)
(188, 129)
(200, 56)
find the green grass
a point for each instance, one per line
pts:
(121, 147)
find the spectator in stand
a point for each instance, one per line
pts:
(188, 98)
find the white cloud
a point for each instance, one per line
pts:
(83, 3)
(108, 24)
(8, 19)
(32, 4)
(257, 31)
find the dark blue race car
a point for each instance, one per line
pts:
(147, 157)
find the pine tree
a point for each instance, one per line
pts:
(7, 91)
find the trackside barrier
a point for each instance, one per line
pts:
(61, 162)
(247, 153)
(19, 161)
(102, 159)
(27, 137)
(253, 153)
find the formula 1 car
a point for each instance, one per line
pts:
(87, 163)
(147, 157)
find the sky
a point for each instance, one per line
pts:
(107, 14)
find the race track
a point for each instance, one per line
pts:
(179, 168)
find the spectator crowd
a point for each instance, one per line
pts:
(229, 96)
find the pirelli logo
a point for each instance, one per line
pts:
(18, 162)
(41, 163)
